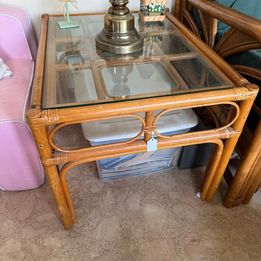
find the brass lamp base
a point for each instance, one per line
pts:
(119, 34)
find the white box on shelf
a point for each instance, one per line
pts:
(122, 129)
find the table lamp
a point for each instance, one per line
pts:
(119, 34)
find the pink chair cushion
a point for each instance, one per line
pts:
(14, 91)
(17, 39)
(20, 164)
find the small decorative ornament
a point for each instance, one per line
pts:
(68, 23)
(152, 10)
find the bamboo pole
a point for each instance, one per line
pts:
(40, 60)
(149, 119)
(40, 136)
(255, 185)
(245, 23)
(229, 147)
(246, 174)
(139, 146)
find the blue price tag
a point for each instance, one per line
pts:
(152, 145)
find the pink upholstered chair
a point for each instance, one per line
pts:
(20, 166)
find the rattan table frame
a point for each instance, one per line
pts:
(44, 123)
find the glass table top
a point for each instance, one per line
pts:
(77, 74)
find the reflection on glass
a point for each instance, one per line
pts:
(136, 79)
(71, 54)
(66, 82)
(120, 79)
(196, 74)
(173, 44)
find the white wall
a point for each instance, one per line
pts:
(38, 7)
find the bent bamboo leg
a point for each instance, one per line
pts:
(246, 173)
(227, 152)
(51, 172)
(229, 147)
(67, 194)
(58, 193)
(211, 169)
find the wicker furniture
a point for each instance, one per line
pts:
(240, 45)
(74, 84)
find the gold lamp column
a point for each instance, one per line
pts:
(119, 34)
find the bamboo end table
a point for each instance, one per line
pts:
(75, 84)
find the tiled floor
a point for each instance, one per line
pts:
(149, 218)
